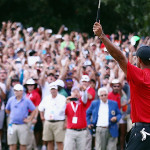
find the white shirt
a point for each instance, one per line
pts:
(45, 90)
(103, 115)
(54, 108)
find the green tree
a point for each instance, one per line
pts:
(125, 15)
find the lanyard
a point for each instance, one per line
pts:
(74, 108)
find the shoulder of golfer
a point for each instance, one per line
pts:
(114, 51)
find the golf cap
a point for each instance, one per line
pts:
(18, 50)
(143, 52)
(30, 29)
(18, 87)
(92, 44)
(58, 36)
(85, 78)
(49, 31)
(30, 81)
(53, 86)
(59, 82)
(115, 81)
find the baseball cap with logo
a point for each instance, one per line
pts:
(58, 36)
(53, 86)
(115, 81)
(85, 78)
(18, 87)
(59, 82)
(30, 81)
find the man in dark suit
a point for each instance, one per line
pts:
(105, 115)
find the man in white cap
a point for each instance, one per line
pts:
(61, 85)
(115, 95)
(18, 108)
(52, 111)
(46, 78)
(85, 86)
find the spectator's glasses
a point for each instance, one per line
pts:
(10, 46)
(103, 95)
(111, 60)
(70, 74)
(3, 72)
(14, 80)
(116, 86)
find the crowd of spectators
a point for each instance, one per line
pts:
(35, 59)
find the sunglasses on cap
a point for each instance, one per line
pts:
(69, 80)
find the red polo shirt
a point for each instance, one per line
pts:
(90, 91)
(34, 96)
(139, 81)
(115, 97)
(80, 114)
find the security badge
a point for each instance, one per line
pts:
(74, 120)
(113, 112)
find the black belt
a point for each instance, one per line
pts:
(79, 129)
(17, 124)
(139, 124)
(55, 120)
(103, 127)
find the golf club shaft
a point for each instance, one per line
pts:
(98, 12)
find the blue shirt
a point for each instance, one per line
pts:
(19, 110)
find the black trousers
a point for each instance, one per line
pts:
(134, 139)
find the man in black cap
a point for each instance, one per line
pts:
(139, 80)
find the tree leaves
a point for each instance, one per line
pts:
(125, 15)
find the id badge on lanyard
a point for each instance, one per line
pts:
(74, 119)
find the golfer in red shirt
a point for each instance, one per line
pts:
(139, 80)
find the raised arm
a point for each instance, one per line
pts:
(114, 51)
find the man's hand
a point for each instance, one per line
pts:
(90, 126)
(26, 120)
(4, 24)
(113, 119)
(42, 118)
(68, 99)
(65, 125)
(97, 29)
(82, 87)
(34, 121)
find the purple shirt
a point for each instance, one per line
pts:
(19, 110)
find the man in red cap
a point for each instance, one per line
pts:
(139, 80)
(85, 86)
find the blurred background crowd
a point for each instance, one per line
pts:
(45, 57)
